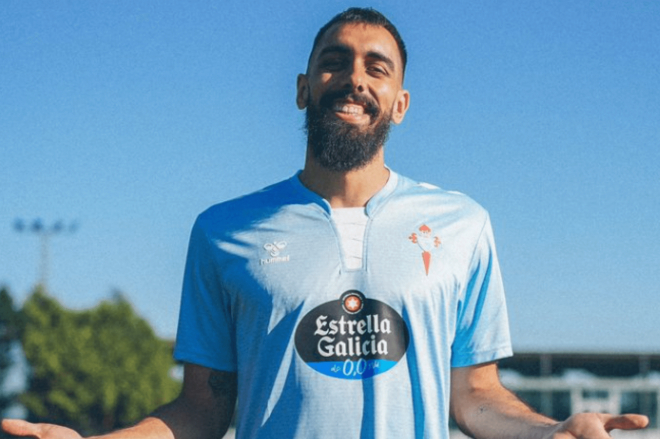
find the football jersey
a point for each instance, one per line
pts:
(326, 351)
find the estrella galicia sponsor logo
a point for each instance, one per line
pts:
(352, 337)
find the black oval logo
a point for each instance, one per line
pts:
(352, 337)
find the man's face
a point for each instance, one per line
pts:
(352, 92)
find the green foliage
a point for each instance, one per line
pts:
(93, 370)
(10, 328)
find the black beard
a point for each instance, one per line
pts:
(339, 146)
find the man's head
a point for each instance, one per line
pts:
(353, 89)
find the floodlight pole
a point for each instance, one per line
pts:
(44, 262)
(45, 233)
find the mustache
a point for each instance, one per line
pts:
(369, 104)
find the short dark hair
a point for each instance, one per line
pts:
(365, 16)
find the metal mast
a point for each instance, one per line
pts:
(45, 233)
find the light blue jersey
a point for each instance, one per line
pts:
(323, 351)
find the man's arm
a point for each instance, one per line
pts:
(483, 408)
(203, 410)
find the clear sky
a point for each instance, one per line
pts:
(131, 117)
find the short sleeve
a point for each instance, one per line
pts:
(482, 327)
(205, 334)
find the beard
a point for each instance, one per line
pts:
(339, 146)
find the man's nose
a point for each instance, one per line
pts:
(355, 79)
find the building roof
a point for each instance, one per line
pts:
(599, 364)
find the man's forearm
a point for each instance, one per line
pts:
(202, 411)
(484, 409)
(186, 421)
(148, 428)
(177, 420)
(497, 413)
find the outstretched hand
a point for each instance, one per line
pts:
(18, 427)
(596, 425)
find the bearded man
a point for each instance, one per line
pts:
(347, 301)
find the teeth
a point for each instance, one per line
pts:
(350, 109)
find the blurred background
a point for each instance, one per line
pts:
(121, 121)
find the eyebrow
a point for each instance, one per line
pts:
(336, 49)
(371, 54)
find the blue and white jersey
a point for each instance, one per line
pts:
(324, 351)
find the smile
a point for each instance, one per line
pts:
(352, 109)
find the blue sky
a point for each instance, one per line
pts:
(130, 118)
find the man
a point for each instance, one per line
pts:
(346, 301)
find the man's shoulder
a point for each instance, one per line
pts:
(246, 208)
(421, 195)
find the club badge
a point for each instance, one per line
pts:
(427, 242)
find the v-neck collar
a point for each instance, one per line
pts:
(372, 205)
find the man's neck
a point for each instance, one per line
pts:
(346, 189)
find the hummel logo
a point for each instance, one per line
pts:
(274, 249)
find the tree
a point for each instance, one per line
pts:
(10, 328)
(93, 370)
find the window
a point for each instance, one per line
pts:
(561, 405)
(555, 403)
(645, 403)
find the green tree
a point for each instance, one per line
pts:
(93, 370)
(10, 327)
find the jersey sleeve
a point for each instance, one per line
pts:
(205, 334)
(482, 329)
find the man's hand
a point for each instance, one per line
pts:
(18, 427)
(596, 425)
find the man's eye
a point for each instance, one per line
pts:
(377, 70)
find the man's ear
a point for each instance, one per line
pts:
(302, 94)
(401, 105)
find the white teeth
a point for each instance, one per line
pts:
(349, 109)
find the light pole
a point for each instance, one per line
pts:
(45, 232)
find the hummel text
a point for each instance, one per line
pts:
(274, 260)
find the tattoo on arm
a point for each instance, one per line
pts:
(223, 384)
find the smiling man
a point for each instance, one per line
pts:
(352, 92)
(346, 301)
